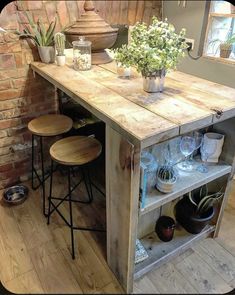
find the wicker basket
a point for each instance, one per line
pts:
(225, 51)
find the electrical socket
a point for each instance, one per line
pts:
(190, 43)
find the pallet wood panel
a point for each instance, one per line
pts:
(128, 12)
(122, 170)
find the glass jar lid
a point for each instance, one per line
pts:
(81, 42)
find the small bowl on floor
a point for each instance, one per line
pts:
(15, 195)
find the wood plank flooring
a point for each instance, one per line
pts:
(35, 257)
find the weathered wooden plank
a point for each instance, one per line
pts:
(204, 279)
(122, 171)
(168, 279)
(188, 116)
(145, 286)
(123, 115)
(217, 257)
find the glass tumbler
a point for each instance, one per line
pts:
(81, 54)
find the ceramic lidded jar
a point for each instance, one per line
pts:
(94, 29)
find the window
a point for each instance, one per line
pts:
(220, 28)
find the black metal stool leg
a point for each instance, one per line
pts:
(50, 194)
(32, 163)
(90, 184)
(71, 212)
(43, 178)
(86, 181)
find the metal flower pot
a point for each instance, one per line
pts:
(154, 82)
(47, 54)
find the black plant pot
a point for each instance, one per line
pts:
(185, 216)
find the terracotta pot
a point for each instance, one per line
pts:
(185, 216)
(47, 54)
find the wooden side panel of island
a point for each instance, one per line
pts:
(122, 191)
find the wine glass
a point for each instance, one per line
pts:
(207, 150)
(187, 147)
(198, 136)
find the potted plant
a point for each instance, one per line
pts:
(60, 46)
(166, 179)
(195, 210)
(43, 38)
(154, 50)
(123, 57)
(225, 47)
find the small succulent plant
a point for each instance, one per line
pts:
(204, 201)
(59, 39)
(166, 173)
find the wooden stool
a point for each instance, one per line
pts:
(46, 126)
(73, 151)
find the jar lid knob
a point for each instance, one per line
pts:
(89, 6)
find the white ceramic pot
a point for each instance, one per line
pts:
(165, 186)
(213, 141)
(47, 54)
(60, 60)
(123, 71)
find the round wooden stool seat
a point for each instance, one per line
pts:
(75, 150)
(50, 125)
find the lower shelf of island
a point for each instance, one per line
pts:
(186, 183)
(160, 252)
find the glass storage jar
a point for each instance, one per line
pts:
(82, 54)
(148, 169)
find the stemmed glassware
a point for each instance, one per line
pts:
(198, 136)
(187, 147)
(207, 150)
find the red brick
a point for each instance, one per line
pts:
(20, 130)
(4, 124)
(21, 5)
(10, 37)
(6, 167)
(10, 47)
(5, 85)
(9, 94)
(7, 61)
(18, 83)
(33, 5)
(3, 133)
(8, 21)
(19, 60)
(13, 113)
(16, 73)
(62, 12)
(13, 103)
(50, 10)
(5, 150)
(40, 15)
(9, 141)
(22, 16)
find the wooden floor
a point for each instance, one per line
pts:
(35, 257)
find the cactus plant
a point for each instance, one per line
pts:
(59, 43)
(166, 173)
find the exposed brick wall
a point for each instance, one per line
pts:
(22, 96)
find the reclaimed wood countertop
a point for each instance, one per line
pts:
(187, 103)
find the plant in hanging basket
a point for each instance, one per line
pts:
(166, 179)
(155, 49)
(195, 210)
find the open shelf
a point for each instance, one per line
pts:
(186, 183)
(160, 252)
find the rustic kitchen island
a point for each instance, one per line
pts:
(136, 120)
